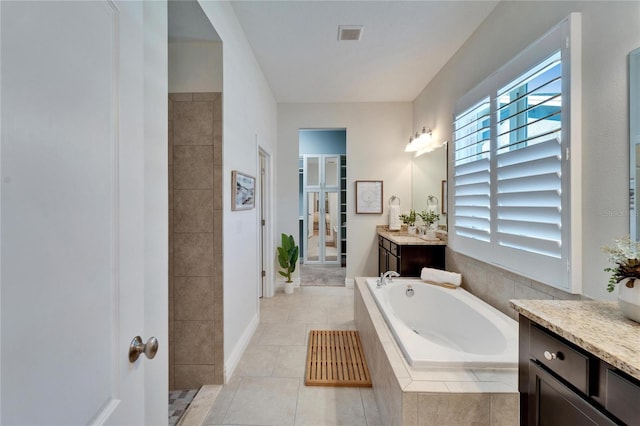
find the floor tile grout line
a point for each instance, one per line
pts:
(364, 409)
(226, 410)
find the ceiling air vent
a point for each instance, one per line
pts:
(349, 32)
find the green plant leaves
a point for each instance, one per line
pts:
(287, 256)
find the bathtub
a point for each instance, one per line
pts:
(441, 327)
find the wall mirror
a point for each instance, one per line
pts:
(634, 142)
(427, 173)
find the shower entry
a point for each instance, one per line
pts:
(321, 218)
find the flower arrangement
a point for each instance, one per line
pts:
(408, 219)
(429, 217)
(625, 254)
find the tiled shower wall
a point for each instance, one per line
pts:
(196, 355)
(496, 286)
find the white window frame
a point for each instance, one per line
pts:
(564, 273)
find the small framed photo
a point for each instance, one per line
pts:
(243, 191)
(369, 196)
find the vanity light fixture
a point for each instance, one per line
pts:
(411, 147)
(420, 141)
(429, 148)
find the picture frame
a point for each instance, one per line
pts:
(243, 191)
(444, 193)
(369, 196)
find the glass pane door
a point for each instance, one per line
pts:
(331, 170)
(332, 227)
(312, 242)
(321, 189)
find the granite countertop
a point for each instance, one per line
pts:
(403, 238)
(596, 326)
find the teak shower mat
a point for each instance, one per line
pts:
(336, 358)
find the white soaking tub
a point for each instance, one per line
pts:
(441, 327)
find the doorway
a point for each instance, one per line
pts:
(195, 165)
(322, 204)
(266, 287)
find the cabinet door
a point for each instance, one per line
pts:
(552, 403)
(382, 260)
(392, 263)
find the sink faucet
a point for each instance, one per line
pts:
(387, 275)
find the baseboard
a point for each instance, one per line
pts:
(238, 350)
(296, 282)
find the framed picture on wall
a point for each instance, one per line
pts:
(243, 191)
(369, 196)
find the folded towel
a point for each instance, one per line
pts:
(395, 224)
(439, 276)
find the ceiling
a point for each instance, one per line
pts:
(187, 22)
(403, 46)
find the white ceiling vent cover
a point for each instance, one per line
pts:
(350, 32)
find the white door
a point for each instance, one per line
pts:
(83, 218)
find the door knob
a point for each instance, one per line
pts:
(137, 347)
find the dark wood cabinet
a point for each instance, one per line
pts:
(408, 259)
(555, 403)
(563, 384)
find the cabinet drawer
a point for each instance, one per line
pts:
(551, 402)
(560, 358)
(386, 244)
(393, 249)
(622, 398)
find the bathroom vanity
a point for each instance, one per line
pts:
(579, 363)
(408, 254)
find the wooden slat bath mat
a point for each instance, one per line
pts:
(336, 358)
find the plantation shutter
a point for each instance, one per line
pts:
(529, 161)
(472, 183)
(516, 163)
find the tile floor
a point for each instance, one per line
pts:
(179, 400)
(268, 388)
(317, 275)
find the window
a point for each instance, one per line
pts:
(472, 134)
(513, 180)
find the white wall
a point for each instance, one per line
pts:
(249, 116)
(610, 31)
(195, 66)
(376, 136)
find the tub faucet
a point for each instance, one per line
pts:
(387, 275)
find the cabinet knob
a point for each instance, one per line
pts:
(550, 355)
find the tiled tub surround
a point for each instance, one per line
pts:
(438, 396)
(497, 286)
(196, 354)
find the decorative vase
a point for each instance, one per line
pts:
(288, 287)
(430, 233)
(629, 298)
(411, 229)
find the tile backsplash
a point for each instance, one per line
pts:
(496, 286)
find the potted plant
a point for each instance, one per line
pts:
(429, 218)
(287, 258)
(625, 255)
(409, 220)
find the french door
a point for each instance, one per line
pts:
(321, 209)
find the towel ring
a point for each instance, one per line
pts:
(432, 201)
(394, 198)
